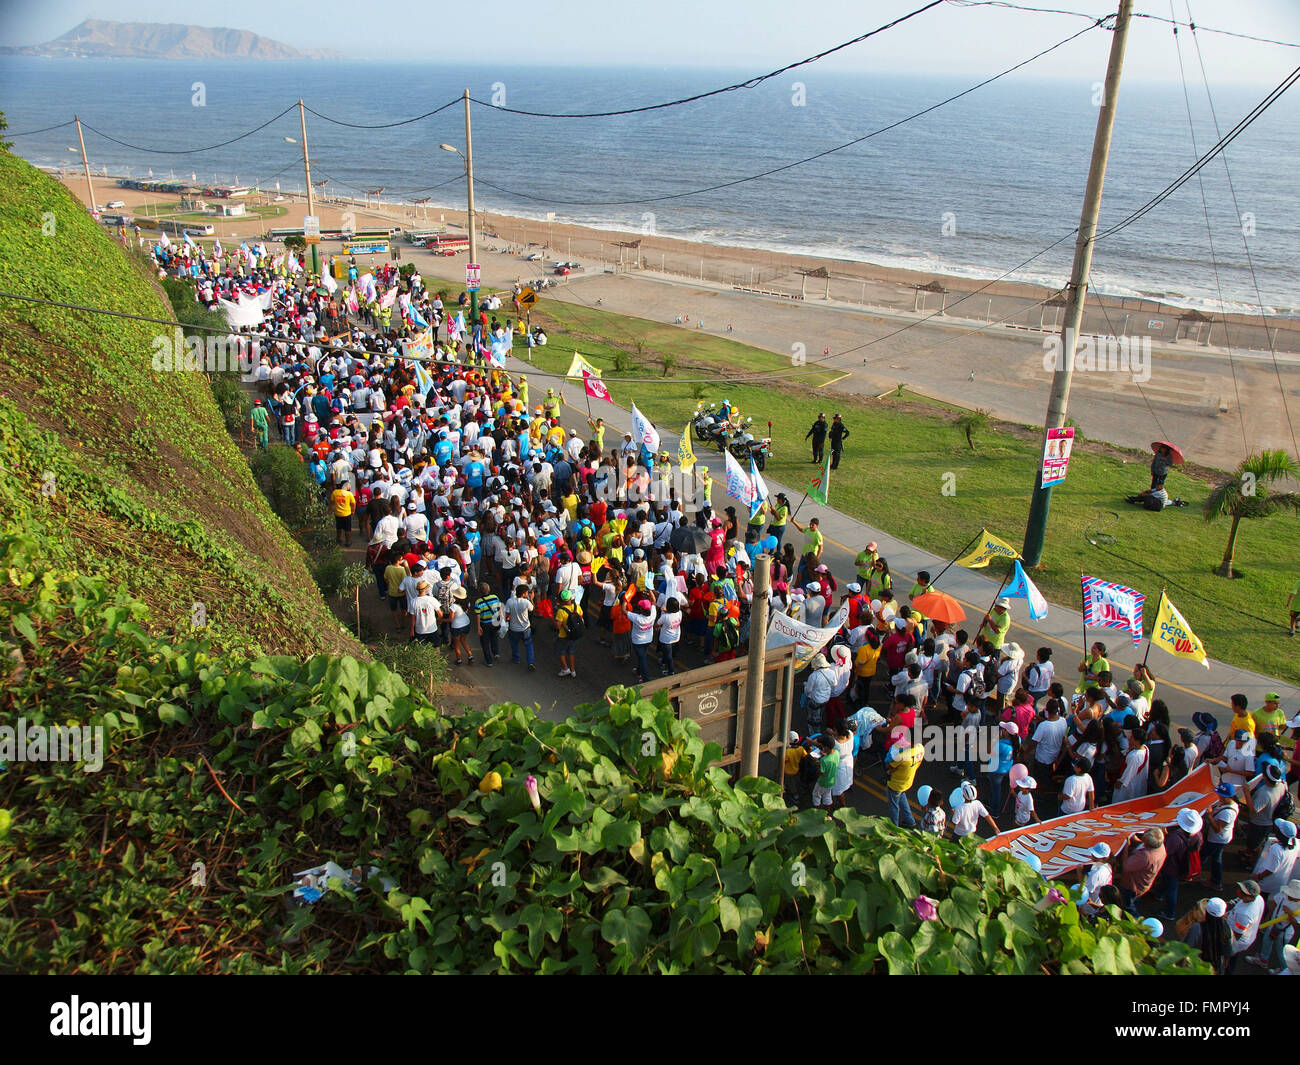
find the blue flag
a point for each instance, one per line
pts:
(1021, 587)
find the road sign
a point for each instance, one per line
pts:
(472, 276)
(526, 298)
(311, 228)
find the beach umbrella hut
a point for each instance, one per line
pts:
(930, 286)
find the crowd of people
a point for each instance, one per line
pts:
(489, 521)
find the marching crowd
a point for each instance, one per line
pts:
(490, 517)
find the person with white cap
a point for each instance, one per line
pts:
(967, 812)
(1281, 928)
(1093, 877)
(1207, 929)
(1244, 919)
(1182, 840)
(995, 624)
(1024, 811)
(818, 688)
(1278, 859)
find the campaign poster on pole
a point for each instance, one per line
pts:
(1056, 455)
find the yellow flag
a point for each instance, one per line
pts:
(988, 548)
(578, 365)
(685, 456)
(1171, 633)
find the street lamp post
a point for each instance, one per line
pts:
(468, 156)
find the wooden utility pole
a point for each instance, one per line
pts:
(751, 737)
(90, 189)
(1058, 403)
(306, 167)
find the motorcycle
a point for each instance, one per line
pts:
(744, 445)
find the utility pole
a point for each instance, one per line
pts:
(1058, 403)
(90, 189)
(473, 238)
(306, 166)
(752, 734)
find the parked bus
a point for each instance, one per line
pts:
(446, 244)
(177, 229)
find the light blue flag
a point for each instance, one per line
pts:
(1021, 587)
(760, 488)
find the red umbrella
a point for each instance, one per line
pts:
(1176, 454)
(940, 606)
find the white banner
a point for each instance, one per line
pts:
(808, 640)
(643, 430)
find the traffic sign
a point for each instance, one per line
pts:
(472, 276)
(526, 298)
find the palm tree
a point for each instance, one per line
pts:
(1246, 495)
(975, 421)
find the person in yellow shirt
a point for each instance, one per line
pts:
(345, 505)
(597, 433)
(864, 667)
(557, 435)
(570, 503)
(795, 753)
(1241, 715)
(523, 390)
(903, 761)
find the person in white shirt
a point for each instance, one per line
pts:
(968, 810)
(643, 628)
(424, 613)
(1278, 859)
(1078, 790)
(388, 527)
(410, 586)
(1094, 877)
(1132, 783)
(1244, 919)
(669, 624)
(1049, 737)
(417, 525)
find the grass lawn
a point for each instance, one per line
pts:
(904, 452)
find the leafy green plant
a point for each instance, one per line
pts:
(1246, 494)
(421, 665)
(351, 580)
(971, 424)
(500, 842)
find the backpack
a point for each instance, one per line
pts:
(1285, 805)
(978, 690)
(990, 672)
(728, 638)
(374, 552)
(809, 770)
(574, 625)
(1215, 749)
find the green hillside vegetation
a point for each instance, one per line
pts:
(120, 470)
(908, 468)
(223, 777)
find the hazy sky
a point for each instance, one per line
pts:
(755, 35)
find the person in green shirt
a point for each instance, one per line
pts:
(1092, 665)
(1270, 716)
(597, 432)
(995, 624)
(259, 424)
(826, 772)
(780, 513)
(1294, 597)
(921, 586)
(814, 542)
(865, 561)
(759, 516)
(523, 390)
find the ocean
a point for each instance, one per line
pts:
(972, 189)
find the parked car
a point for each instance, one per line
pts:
(114, 205)
(533, 257)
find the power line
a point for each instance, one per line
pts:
(189, 151)
(1209, 233)
(797, 162)
(1196, 167)
(46, 129)
(1189, 24)
(1250, 263)
(384, 125)
(748, 84)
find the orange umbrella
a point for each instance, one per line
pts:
(940, 606)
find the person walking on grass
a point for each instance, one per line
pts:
(818, 436)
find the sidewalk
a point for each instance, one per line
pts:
(1062, 629)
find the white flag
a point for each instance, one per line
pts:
(643, 430)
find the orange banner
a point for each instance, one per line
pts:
(1062, 844)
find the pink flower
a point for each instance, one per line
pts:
(530, 786)
(1056, 896)
(925, 908)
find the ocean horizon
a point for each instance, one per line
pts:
(973, 189)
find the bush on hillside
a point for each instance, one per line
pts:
(491, 842)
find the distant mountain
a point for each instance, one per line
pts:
(157, 40)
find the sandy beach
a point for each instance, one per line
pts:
(984, 351)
